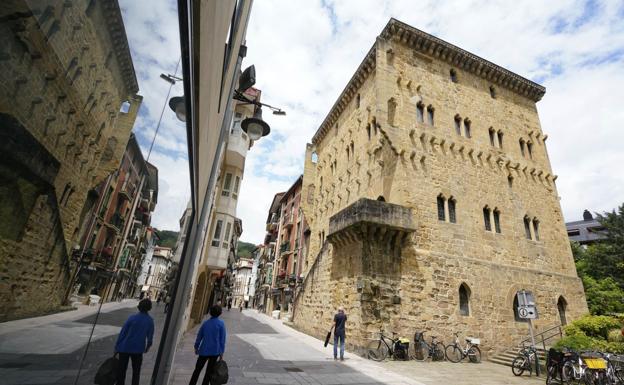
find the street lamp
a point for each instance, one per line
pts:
(179, 107)
(255, 127)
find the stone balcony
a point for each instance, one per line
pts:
(372, 221)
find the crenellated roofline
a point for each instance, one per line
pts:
(439, 49)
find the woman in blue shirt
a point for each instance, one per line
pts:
(135, 339)
(209, 345)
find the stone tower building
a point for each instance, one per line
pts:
(67, 105)
(431, 201)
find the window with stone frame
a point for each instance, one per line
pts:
(467, 128)
(527, 227)
(441, 213)
(521, 141)
(453, 75)
(529, 147)
(451, 210)
(492, 134)
(497, 225)
(420, 112)
(464, 300)
(500, 139)
(486, 219)
(492, 92)
(430, 112)
(216, 238)
(458, 124)
(536, 229)
(515, 310)
(227, 185)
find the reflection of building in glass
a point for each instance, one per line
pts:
(158, 272)
(241, 282)
(587, 231)
(68, 106)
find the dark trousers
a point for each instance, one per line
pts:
(137, 360)
(201, 361)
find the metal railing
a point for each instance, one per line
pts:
(544, 336)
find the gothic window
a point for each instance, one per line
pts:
(500, 139)
(493, 92)
(441, 215)
(430, 111)
(453, 74)
(368, 131)
(522, 147)
(464, 300)
(420, 112)
(527, 227)
(536, 229)
(486, 218)
(467, 128)
(451, 210)
(492, 137)
(391, 111)
(510, 180)
(357, 101)
(530, 149)
(381, 198)
(458, 124)
(497, 226)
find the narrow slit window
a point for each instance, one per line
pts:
(420, 113)
(492, 136)
(522, 147)
(451, 209)
(357, 101)
(236, 187)
(536, 229)
(464, 300)
(530, 149)
(500, 139)
(453, 74)
(458, 124)
(497, 226)
(430, 111)
(527, 227)
(441, 215)
(492, 92)
(486, 219)
(227, 185)
(467, 128)
(226, 238)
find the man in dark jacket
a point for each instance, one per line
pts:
(209, 345)
(340, 319)
(135, 339)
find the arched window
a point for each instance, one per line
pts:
(486, 219)
(510, 180)
(530, 149)
(492, 136)
(453, 74)
(352, 146)
(458, 124)
(451, 210)
(368, 131)
(420, 112)
(521, 146)
(441, 215)
(493, 92)
(381, 198)
(467, 128)
(464, 300)
(562, 305)
(314, 157)
(497, 226)
(392, 104)
(515, 310)
(527, 227)
(125, 107)
(536, 229)
(500, 139)
(430, 111)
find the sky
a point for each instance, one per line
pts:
(305, 51)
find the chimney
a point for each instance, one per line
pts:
(587, 216)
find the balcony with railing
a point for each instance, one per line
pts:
(285, 248)
(288, 221)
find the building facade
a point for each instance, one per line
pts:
(241, 282)
(431, 201)
(587, 231)
(66, 112)
(158, 272)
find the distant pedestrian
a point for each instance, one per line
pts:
(240, 307)
(167, 303)
(229, 305)
(209, 345)
(159, 298)
(340, 319)
(135, 339)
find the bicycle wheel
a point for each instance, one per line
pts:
(438, 352)
(518, 365)
(474, 354)
(421, 351)
(377, 350)
(567, 373)
(453, 353)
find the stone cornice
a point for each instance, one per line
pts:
(117, 32)
(439, 49)
(365, 68)
(459, 58)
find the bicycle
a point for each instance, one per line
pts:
(455, 353)
(615, 368)
(590, 369)
(423, 350)
(524, 361)
(378, 350)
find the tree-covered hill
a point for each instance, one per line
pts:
(245, 249)
(168, 238)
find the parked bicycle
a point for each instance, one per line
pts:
(396, 348)
(554, 366)
(525, 361)
(424, 350)
(586, 368)
(615, 368)
(455, 352)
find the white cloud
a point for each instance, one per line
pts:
(305, 52)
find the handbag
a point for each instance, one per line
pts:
(327, 338)
(219, 373)
(107, 372)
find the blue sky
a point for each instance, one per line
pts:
(305, 51)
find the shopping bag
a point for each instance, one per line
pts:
(327, 338)
(220, 373)
(107, 372)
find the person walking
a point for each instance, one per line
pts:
(340, 319)
(209, 345)
(134, 339)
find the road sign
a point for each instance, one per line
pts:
(526, 305)
(527, 312)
